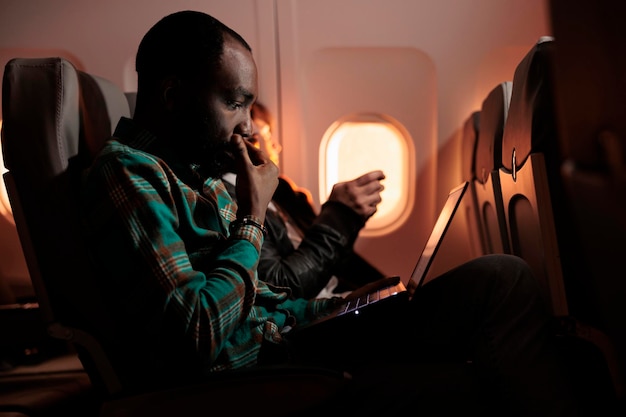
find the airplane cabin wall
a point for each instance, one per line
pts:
(427, 63)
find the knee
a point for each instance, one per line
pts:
(504, 265)
(499, 274)
(506, 270)
(511, 272)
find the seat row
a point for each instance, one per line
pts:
(522, 204)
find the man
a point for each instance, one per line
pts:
(312, 253)
(177, 257)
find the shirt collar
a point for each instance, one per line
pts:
(131, 134)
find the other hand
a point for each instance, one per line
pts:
(361, 194)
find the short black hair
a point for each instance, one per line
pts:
(180, 44)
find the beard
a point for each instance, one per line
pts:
(201, 144)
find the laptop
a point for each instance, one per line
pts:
(378, 299)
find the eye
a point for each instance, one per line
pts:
(234, 104)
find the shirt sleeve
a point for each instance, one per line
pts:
(308, 268)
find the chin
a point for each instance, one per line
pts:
(216, 168)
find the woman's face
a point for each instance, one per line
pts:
(262, 139)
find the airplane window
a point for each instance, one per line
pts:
(360, 143)
(5, 206)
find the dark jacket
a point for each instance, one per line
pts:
(326, 248)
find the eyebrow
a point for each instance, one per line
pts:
(244, 92)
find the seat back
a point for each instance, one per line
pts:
(469, 138)
(487, 160)
(537, 216)
(55, 119)
(537, 212)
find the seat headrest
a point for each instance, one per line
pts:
(530, 125)
(79, 110)
(102, 104)
(493, 115)
(47, 88)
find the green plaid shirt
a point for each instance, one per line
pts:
(183, 291)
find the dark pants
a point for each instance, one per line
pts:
(477, 340)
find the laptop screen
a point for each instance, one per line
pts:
(436, 236)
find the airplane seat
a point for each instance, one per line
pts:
(531, 154)
(39, 138)
(528, 153)
(486, 185)
(55, 119)
(44, 158)
(538, 223)
(469, 138)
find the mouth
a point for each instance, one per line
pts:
(229, 151)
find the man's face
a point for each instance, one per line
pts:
(217, 107)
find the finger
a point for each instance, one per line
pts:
(373, 188)
(256, 155)
(367, 193)
(240, 152)
(374, 200)
(371, 208)
(372, 176)
(247, 152)
(254, 140)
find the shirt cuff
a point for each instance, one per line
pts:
(248, 228)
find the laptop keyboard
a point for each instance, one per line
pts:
(369, 298)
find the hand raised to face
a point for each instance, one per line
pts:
(257, 178)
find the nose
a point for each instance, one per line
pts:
(254, 128)
(255, 137)
(246, 127)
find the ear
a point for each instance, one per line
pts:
(170, 91)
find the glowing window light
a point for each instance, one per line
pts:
(361, 143)
(5, 206)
